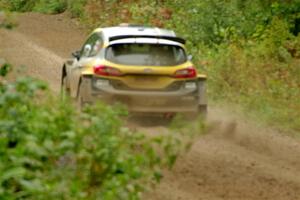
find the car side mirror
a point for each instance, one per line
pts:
(190, 57)
(76, 55)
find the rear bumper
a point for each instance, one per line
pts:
(181, 100)
(155, 104)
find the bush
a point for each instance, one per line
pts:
(44, 6)
(76, 8)
(50, 6)
(50, 150)
(18, 5)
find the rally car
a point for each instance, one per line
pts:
(145, 68)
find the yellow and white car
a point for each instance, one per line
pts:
(145, 68)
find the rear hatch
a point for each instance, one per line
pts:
(145, 66)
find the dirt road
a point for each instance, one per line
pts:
(236, 160)
(39, 45)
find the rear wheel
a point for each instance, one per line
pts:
(200, 113)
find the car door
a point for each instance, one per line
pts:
(87, 53)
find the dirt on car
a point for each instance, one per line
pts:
(236, 160)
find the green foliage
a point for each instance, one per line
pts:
(50, 6)
(76, 7)
(263, 79)
(44, 6)
(49, 150)
(18, 5)
(5, 69)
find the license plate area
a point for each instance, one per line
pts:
(146, 79)
(148, 101)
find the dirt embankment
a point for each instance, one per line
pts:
(236, 160)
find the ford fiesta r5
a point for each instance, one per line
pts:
(145, 68)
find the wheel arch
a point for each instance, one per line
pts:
(63, 73)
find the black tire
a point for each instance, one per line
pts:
(202, 111)
(64, 91)
(83, 97)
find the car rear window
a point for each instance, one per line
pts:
(146, 54)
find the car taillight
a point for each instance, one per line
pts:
(107, 71)
(189, 72)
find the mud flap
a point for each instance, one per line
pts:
(202, 92)
(202, 102)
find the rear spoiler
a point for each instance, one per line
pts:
(172, 38)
